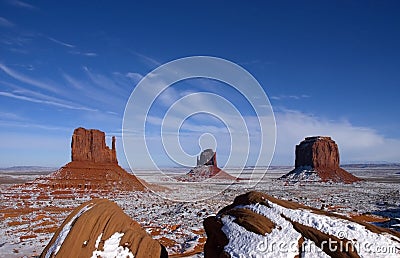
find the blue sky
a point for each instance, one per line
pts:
(328, 67)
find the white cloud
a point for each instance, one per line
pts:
(218, 117)
(99, 88)
(43, 101)
(22, 4)
(356, 143)
(61, 42)
(26, 79)
(293, 97)
(24, 123)
(134, 76)
(89, 54)
(105, 82)
(5, 23)
(147, 60)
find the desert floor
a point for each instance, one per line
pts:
(30, 216)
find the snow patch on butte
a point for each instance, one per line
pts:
(112, 248)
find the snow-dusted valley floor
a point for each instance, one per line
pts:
(30, 216)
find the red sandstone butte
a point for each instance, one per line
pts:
(318, 157)
(208, 157)
(90, 145)
(206, 168)
(94, 166)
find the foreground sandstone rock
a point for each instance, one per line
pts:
(99, 228)
(259, 225)
(317, 159)
(94, 166)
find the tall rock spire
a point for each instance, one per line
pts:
(90, 145)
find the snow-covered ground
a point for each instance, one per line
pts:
(28, 217)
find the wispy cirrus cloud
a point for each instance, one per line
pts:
(25, 79)
(97, 88)
(29, 124)
(134, 76)
(88, 54)
(21, 4)
(105, 82)
(6, 23)
(43, 101)
(74, 50)
(21, 93)
(293, 97)
(60, 42)
(147, 60)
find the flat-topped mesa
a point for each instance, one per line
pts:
(90, 145)
(208, 157)
(317, 159)
(317, 152)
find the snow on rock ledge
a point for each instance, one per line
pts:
(99, 228)
(259, 225)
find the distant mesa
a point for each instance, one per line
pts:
(206, 168)
(94, 166)
(99, 228)
(317, 159)
(259, 225)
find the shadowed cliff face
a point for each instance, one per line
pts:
(208, 157)
(317, 152)
(317, 159)
(99, 228)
